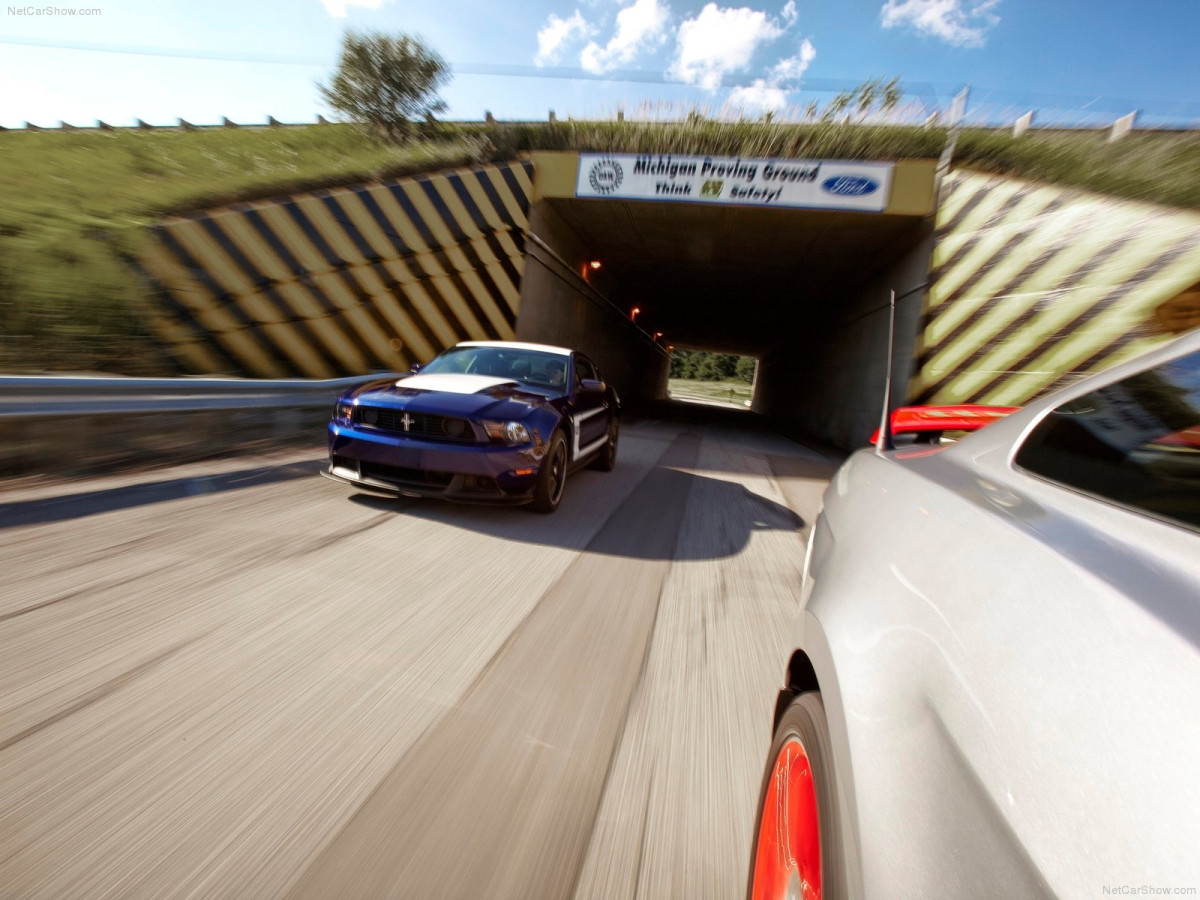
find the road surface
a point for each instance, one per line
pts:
(239, 679)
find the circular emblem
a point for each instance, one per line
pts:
(606, 176)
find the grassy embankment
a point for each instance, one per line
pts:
(72, 202)
(734, 392)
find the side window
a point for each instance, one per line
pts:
(1135, 443)
(583, 369)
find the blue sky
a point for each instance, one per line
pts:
(1087, 60)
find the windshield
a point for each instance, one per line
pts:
(531, 367)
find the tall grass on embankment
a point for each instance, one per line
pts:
(1159, 167)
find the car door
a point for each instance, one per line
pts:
(589, 407)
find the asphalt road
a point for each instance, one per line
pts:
(239, 679)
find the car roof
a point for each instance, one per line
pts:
(517, 345)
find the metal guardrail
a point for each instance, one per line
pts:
(38, 395)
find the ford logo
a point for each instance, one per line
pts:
(850, 186)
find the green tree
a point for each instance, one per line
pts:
(387, 83)
(704, 366)
(745, 369)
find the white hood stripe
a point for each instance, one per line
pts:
(452, 383)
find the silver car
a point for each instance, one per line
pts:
(995, 690)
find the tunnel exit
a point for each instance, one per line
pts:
(721, 379)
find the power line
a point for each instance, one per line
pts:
(935, 95)
(634, 76)
(167, 54)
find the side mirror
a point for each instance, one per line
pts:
(416, 367)
(589, 385)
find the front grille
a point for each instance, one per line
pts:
(400, 475)
(429, 426)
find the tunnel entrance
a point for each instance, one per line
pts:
(805, 291)
(789, 261)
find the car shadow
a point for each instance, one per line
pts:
(649, 523)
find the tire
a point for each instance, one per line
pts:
(798, 797)
(606, 459)
(552, 476)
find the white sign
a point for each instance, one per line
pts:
(805, 183)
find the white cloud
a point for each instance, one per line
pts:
(765, 94)
(757, 97)
(338, 8)
(789, 13)
(795, 66)
(719, 41)
(960, 22)
(556, 33)
(639, 25)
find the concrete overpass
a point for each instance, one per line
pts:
(1004, 286)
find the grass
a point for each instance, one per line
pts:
(1160, 168)
(703, 136)
(74, 202)
(734, 392)
(71, 203)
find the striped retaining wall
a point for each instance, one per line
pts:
(1032, 284)
(346, 280)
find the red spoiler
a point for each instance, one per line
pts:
(926, 419)
(1188, 437)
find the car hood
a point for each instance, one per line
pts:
(458, 395)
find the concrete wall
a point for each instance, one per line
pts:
(828, 381)
(558, 306)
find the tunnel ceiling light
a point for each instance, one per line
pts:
(633, 313)
(657, 335)
(595, 264)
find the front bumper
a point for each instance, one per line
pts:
(410, 467)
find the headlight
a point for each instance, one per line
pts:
(343, 411)
(516, 433)
(509, 432)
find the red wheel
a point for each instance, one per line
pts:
(796, 849)
(787, 863)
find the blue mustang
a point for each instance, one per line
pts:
(484, 422)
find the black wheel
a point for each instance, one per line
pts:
(607, 458)
(797, 839)
(552, 476)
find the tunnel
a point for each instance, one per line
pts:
(805, 291)
(791, 262)
(1018, 287)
